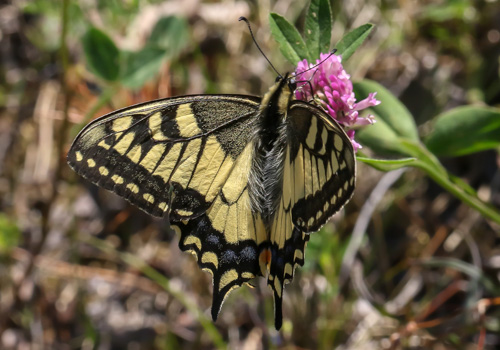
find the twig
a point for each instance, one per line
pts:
(67, 270)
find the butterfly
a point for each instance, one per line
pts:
(243, 180)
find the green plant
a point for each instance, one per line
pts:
(460, 131)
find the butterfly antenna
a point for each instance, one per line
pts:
(321, 62)
(308, 82)
(256, 44)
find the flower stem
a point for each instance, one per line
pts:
(431, 165)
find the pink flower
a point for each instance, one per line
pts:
(332, 90)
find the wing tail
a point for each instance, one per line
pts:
(227, 241)
(287, 252)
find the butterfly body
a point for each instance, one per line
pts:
(243, 180)
(270, 142)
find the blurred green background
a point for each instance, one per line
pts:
(81, 269)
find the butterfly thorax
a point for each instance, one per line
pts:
(265, 181)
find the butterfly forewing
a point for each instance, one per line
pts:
(318, 179)
(323, 157)
(185, 146)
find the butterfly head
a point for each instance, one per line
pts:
(289, 80)
(280, 94)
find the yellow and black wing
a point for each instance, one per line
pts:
(318, 179)
(189, 158)
(192, 159)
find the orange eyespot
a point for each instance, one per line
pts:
(265, 256)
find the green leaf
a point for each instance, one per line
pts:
(171, 34)
(394, 121)
(101, 54)
(352, 40)
(445, 12)
(292, 45)
(139, 67)
(465, 130)
(9, 234)
(318, 27)
(387, 164)
(381, 139)
(168, 38)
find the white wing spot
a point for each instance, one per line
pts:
(133, 188)
(310, 222)
(148, 197)
(117, 179)
(78, 156)
(184, 212)
(103, 171)
(162, 206)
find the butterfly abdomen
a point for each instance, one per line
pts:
(265, 182)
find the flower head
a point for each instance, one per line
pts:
(330, 86)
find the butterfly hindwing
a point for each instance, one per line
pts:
(228, 238)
